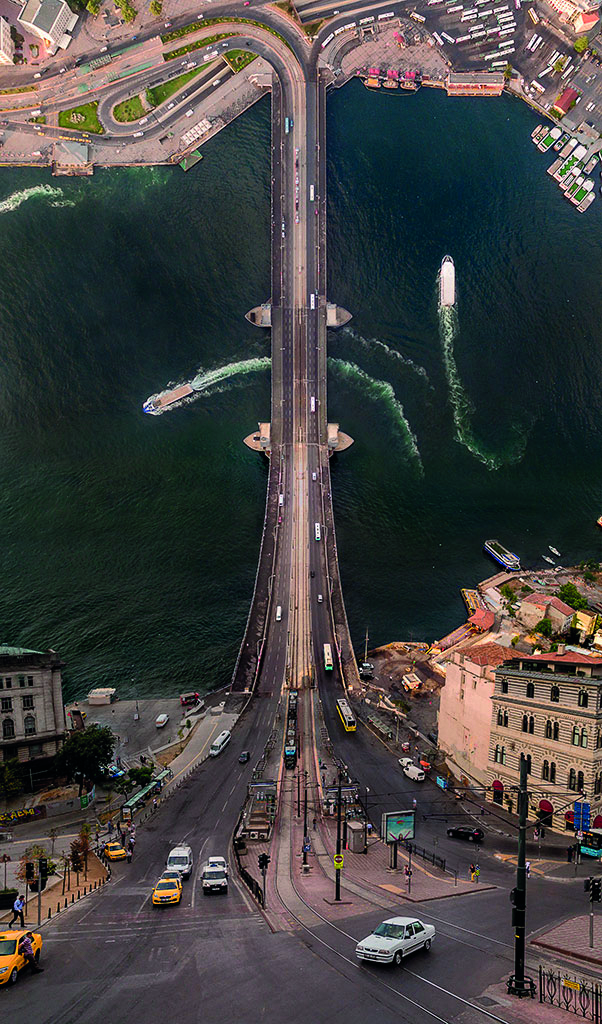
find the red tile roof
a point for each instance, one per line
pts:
(486, 654)
(560, 606)
(482, 618)
(565, 101)
(544, 600)
(569, 658)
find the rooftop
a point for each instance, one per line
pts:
(486, 654)
(566, 100)
(482, 619)
(42, 13)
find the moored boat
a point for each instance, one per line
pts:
(507, 559)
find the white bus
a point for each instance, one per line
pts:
(311, 193)
(278, 613)
(534, 16)
(312, 301)
(418, 17)
(318, 532)
(312, 404)
(328, 40)
(448, 39)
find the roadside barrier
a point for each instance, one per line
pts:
(251, 883)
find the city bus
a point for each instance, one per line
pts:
(418, 17)
(287, 125)
(328, 657)
(591, 844)
(346, 715)
(533, 15)
(317, 534)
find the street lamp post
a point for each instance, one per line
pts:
(305, 821)
(518, 984)
(366, 821)
(337, 870)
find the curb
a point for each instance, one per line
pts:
(566, 952)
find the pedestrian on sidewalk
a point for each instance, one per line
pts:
(528, 867)
(18, 911)
(472, 872)
(130, 851)
(315, 823)
(26, 951)
(155, 803)
(122, 837)
(110, 826)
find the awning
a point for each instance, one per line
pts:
(496, 784)
(545, 805)
(570, 817)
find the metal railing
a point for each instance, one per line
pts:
(580, 996)
(430, 855)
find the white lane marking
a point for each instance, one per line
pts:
(143, 904)
(198, 872)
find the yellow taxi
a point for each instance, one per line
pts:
(114, 851)
(167, 890)
(11, 961)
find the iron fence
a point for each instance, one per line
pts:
(580, 996)
(430, 855)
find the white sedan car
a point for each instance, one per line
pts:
(394, 939)
(161, 721)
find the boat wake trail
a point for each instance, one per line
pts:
(372, 343)
(206, 382)
(214, 380)
(462, 407)
(16, 199)
(381, 391)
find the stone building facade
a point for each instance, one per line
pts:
(32, 714)
(549, 707)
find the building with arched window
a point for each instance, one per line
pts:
(553, 709)
(32, 714)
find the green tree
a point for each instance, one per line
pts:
(507, 592)
(128, 12)
(93, 6)
(140, 776)
(544, 626)
(559, 65)
(508, 72)
(581, 44)
(86, 754)
(11, 782)
(156, 8)
(570, 595)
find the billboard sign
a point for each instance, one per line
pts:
(398, 825)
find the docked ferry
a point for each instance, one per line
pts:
(507, 559)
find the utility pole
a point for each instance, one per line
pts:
(305, 837)
(298, 793)
(366, 822)
(518, 984)
(594, 887)
(337, 870)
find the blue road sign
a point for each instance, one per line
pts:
(581, 816)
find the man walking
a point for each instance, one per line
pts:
(130, 851)
(18, 911)
(26, 951)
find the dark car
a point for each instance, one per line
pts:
(244, 757)
(473, 835)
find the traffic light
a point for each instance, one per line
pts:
(596, 890)
(43, 864)
(29, 871)
(263, 860)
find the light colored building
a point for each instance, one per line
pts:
(7, 47)
(586, 21)
(569, 10)
(50, 20)
(549, 707)
(32, 715)
(536, 607)
(474, 83)
(465, 710)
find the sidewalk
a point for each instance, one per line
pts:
(54, 900)
(571, 938)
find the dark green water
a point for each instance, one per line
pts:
(129, 542)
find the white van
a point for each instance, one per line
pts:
(278, 613)
(312, 404)
(218, 745)
(281, 500)
(181, 859)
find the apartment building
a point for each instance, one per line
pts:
(549, 707)
(7, 47)
(32, 715)
(464, 721)
(50, 20)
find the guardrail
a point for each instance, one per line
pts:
(582, 996)
(430, 855)
(251, 883)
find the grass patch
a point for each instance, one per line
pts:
(238, 59)
(129, 110)
(85, 118)
(288, 8)
(23, 88)
(38, 120)
(196, 46)
(162, 92)
(312, 28)
(196, 25)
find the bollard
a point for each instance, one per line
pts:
(65, 902)
(49, 913)
(58, 908)
(73, 897)
(78, 894)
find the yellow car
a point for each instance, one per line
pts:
(115, 851)
(11, 960)
(167, 890)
